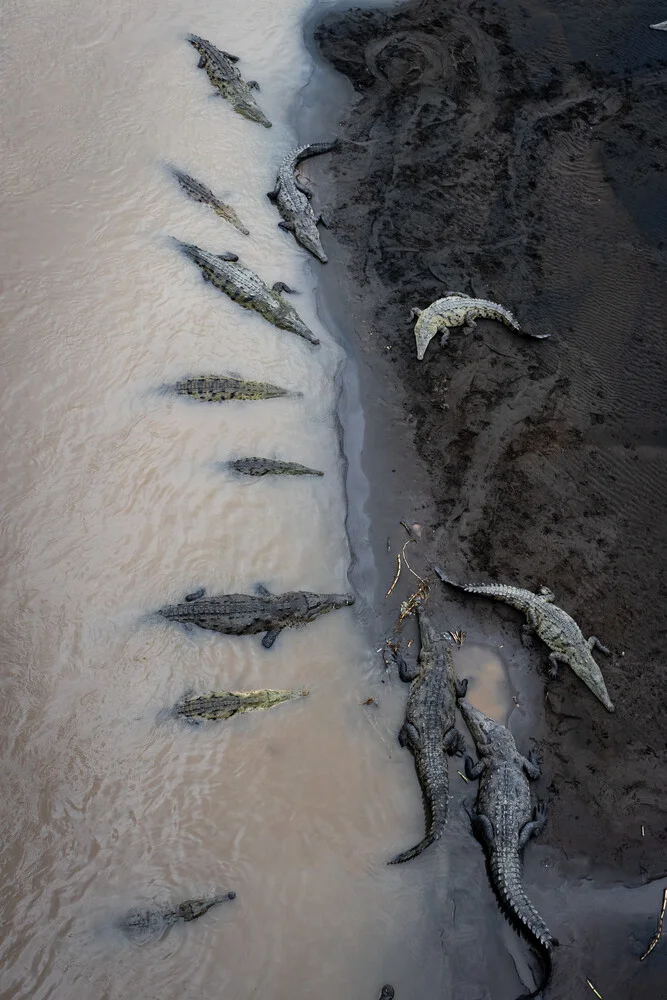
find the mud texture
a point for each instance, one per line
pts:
(517, 152)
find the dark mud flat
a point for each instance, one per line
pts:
(518, 151)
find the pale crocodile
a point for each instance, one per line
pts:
(291, 196)
(219, 388)
(554, 627)
(270, 467)
(224, 704)
(247, 288)
(459, 309)
(199, 192)
(226, 78)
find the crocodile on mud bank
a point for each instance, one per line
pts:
(269, 467)
(153, 922)
(219, 705)
(504, 821)
(554, 627)
(247, 288)
(220, 388)
(429, 729)
(200, 193)
(226, 78)
(292, 194)
(459, 309)
(248, 614)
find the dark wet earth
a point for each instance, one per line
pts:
(517, 152)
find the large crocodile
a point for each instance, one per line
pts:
(270, 467)
(504, 821)
(554, 627)
(429, 729)
(224, 704)
(218, 388)
(291, 196)
(199, 192)
(247, 614)
(225, 77)
(141, 922)
(459, 309)
(247, 288)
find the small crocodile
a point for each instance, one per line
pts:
(270, 467)
(429, 726)
(219, 388)
(504, 822)
(291, 196)
(225, 77)
(459, 309)
(155, 921)
(224, 704)
(554, 627)
(247, 614)
(245, 287)
(199, 192)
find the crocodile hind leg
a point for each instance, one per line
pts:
(554, 660)
(473, 771)
(304, 185)
(470, 324)
(534, 827)
(482, 827)
(280, 286)
(594, 643)
(408, 736)
(197, 595)
(530, 628)
(454, 744)
(253, 85)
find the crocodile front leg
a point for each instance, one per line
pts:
(408, 736)
(454, 744)
(304, 185)
(270, 637)
(534, 827)
(473, 771)
(594, 643)
(554, 660)
(530, 628)
(531, 764)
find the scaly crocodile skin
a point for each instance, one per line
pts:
(225, 77)
(457, 309)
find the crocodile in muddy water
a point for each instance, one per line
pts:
(270, 467)
(292, 195)
(429, 726)
(459, 309)
(247, 288)
(226, 78)
(554, 627)
(248, 614)
(504, 821)
(219, 705)
(220, 388)
(199, 192)
(153, 922)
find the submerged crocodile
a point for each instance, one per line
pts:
(247, 288)
(219, 388)
(429, 726)
(224, 704)
(504, 822)
(199, 192)
(247, 614)
(291, 196)
(270, 467)
(459, 309)
(155, 921)
(225, 77)
(554, 627)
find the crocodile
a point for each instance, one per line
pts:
(199, 192)
(226, 78)
(270, 467)
(554, 627)
(504, 821)
(387, 992)
(247, 614)
(459, 309)
(245, 287)
(155, 921)
(429, 729)
(224, 704)
(291, 196)
(219, 388)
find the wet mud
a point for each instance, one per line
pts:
(516, 152)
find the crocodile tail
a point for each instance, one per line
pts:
(429, 839)
(315, 149)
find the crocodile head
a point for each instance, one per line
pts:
(308, 606)
(193, 908)
(491, 738)
(306, 233)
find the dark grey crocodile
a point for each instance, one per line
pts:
(270, 467)
(226, 78)
(555, 628)
(459, 309)
(219, 705)
(199, 192)
(504, 821)
(429, 728)
(291, 196)
(219, 388)
(245, 287)
(247, 614)
(140, 922)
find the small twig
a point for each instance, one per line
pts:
(398, 573)
(463, 776)
(594, 990)
(658, 933)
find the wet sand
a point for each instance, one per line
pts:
(517, 152)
